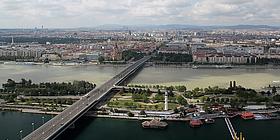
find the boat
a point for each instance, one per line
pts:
(223, 67)
(155, 123)
(18, 63)
(209, 121)
(194, 67)
(212, 67)
(261, 117)
(196, 123)
(247, 115)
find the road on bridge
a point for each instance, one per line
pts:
(61, 122)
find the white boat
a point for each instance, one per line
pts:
(212, 67)
(18, 63)
(261, 117)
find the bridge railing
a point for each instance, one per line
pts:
(61, 121)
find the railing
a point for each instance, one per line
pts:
(59, 123)
(232, 131)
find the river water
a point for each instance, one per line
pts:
(48, 73)
(11, 123)
(107, 129)
(192, 78)
(251, 78)
(89, 128)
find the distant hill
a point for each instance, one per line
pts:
(118, 27)
(251, 27)
(179, 26)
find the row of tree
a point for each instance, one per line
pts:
(173, 57)
(26, 87)
(180, 88)
(130, 54)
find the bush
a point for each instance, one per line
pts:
(129, 114)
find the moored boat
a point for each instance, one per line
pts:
(196, 123)
(247, 115)
(155, 123)
(261, 117)
(209, 121)
(212, 67)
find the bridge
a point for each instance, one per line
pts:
(57, 125)
(232, 131)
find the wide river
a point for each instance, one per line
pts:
(109, 129)
(251, 78)
(112, 129)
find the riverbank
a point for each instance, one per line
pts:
(29, 110)
(168, 116)
(61, 63)
(214, 66)
(148, 64)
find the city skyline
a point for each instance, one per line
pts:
(92, 13)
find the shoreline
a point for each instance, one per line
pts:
(149, 64)
(213, 66)
(140, 118)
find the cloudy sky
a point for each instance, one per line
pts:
(90, 13)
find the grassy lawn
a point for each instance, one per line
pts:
(140, 105)
(125, 101)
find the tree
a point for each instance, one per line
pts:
(226, 100)
(181, 101)
(156, 107)
(142, 112)
(274, 90)
(222, 100)
(207, 99)
(176, 110)
(181, 88)
(129, 114)
(101, 59)
(276, 98)
(129, 54)
(218, 100)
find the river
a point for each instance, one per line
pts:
(89, 128)
(251, 78)
(48, 73)
(11, 123)
(107, 129)
(192, 78)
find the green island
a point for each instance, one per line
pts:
(55, 97)
(48, 96)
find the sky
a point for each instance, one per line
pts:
(91, 13)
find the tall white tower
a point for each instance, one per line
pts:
(12, 43)
(166, 101)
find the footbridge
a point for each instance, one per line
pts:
(57, 125)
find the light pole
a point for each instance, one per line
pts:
(20, 132)
(43, 119)
(32, 126)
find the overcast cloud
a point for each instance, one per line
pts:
(90, 13)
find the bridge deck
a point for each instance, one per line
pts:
(59, 123)
(231, 129)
